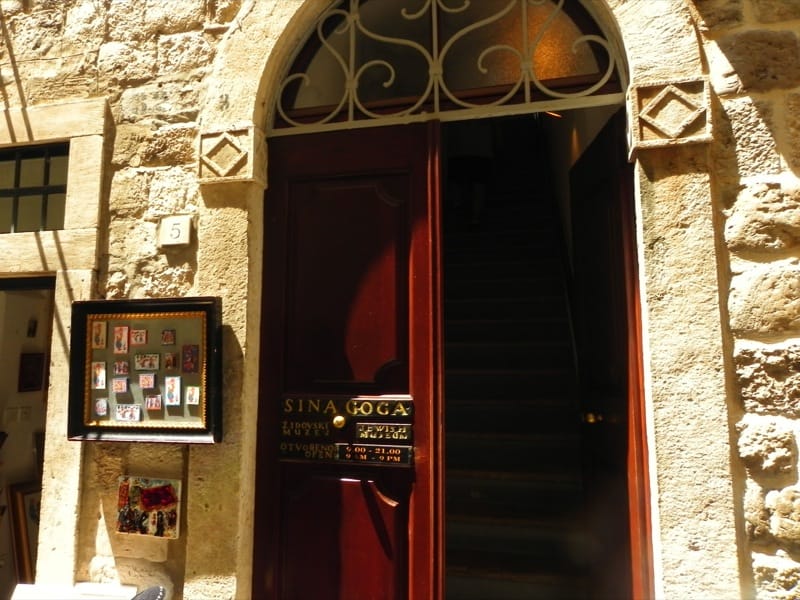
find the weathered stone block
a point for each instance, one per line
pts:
(129, 189)
(37, 34)
(765, 60)
(173, 190)
(719, 13)
(722, 75)
(136, 20)
(11, 7)
(169, 146)
(767, 445)
(792, 113)
(121, 62)
(75, 77)
(128, 144)
(765, 218)
(773, 11)
(751, 136)
(127, 21)
(769, 378)
(84, 27)
(173, 281)
(170, 102)
(225, 10)
(143, 146)
(784, 522)
(182, 52)
(777, 577)
(765, 298)
(175, 17)
(756, 514)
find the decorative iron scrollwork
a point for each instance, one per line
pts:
(508, 51)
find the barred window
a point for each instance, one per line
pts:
(33, 188)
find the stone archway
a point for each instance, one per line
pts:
(669, 117)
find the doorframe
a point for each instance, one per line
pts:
(432, 542)
(263, 43)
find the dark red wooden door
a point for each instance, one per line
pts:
(347, 505)
(607, 316)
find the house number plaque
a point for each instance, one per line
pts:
(375, 430)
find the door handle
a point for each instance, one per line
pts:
(597, 417)
(593, 418)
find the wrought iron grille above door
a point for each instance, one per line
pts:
(397, 61)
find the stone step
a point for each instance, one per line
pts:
(509, 355)
(514, 453)
(501, 328)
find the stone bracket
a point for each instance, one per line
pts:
(233, 154)
(669, 113)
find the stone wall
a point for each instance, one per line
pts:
(150, 61)
(721, 237)
(754, 52)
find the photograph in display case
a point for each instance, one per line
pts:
(25, 502)
(31, 372)
(149, 506)
(126, 386)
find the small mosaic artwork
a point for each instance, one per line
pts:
(149, 506)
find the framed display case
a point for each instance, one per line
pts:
(146, 370)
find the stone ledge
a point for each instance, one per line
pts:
(46, 123)
(80, 591)
(48, 251)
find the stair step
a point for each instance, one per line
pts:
(510, 355)
(513, 416)
(513, 452)
(511, 307)
(467, 268)
(476, 287)
(513, 482)
(523, 542)
(500, 328)
(513, 495)
(487, 584)
(503, 384)
(506, 245)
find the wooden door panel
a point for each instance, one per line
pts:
(608, 325)
(323, 517)
(347, 296)
(346, 511)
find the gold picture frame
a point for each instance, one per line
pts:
(114, 377)
(24, 506)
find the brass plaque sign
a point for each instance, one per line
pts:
(308, 451)
(385, 455)
(383, 431)
(375, 430)
(395, 407)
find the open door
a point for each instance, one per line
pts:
(608, 326)
(347, 506)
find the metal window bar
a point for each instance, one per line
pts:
(16, 192)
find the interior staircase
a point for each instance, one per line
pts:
(514, 495)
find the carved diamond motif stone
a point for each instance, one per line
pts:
(225, 156)
(668, 113)
(671, 111)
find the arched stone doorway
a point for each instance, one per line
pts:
(389, 300)
(647, 77)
